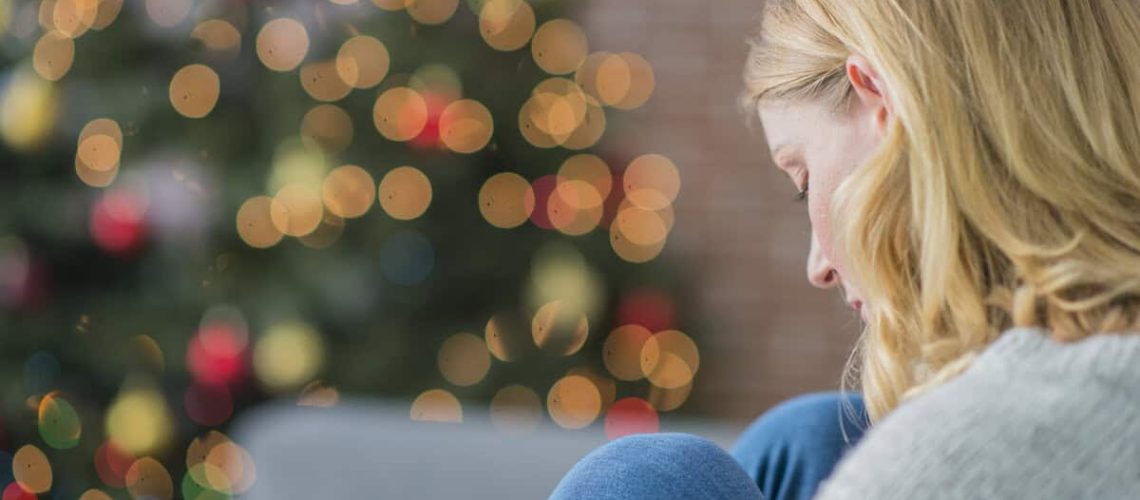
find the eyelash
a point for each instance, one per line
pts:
(801, 196)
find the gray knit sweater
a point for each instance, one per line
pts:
(1031, 418)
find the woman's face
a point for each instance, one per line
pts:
(817, 149)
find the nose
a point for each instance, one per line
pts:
(820, 272)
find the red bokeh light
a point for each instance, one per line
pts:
(647, 307)
(631, 416)
(429, 136)
(217, 355)
(118, 223)
(208, 405)
(112, 463)
(543, 187)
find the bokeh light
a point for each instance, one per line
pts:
(508, 336)
(465, 126)
(559, 46)
(463, 359)
(348, 191)
(282, 44)
(215, 463)
(317, 393)
(362, 62)
(506, 200)
(168, 13)
(28, 111)
(58, 422)
(296, 209)
(30, 468)
(605, 385)
(53, 55)
(669, 399)
(506, 25)
(94, 494)
(74, 17)
(436, 405)
(559, 328)
(288, 356)
(400, 114)
(218, 36)
(405, 193)
(670, 359)
(573, 402)
(322, 81)
(431, 12)
(255, 223)
(194, 90)
(651, 182)
(327, 128)
(516, 409)
(139, 421)
(148, 478)
(112, 463)
(631, 416)
(621, 351)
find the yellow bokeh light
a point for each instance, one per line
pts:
(147, 478)
(431, 12)
(405, 193)
(505, 337)
(288, 356)
(326, 233)
(322, 82)
(168, 13)
(149, 351)
(362, 62)
(348, 191)
(641, 227)
(99, 150)
(463, 359)
(28, 111)
(400, 114)
(216, 462)
(53, 55)
(436, 405)
(30, 468)
(651, 182)
(629, 251)
(255, 224)
(559, 46)
(328, 128)
(296, 209)
(606, 386)
(506, 200)
(506, 25)
(106, 13)
(94, 494)
(104, 126)
(92, 177)
(139, 421)
(318, 394)
(194, 90)
(589, 129)
(559, 328)
(282, 44)
(670, 359)
(574, 402)
(465, 126)
(621, 352)
(516, 409)
(391, 5)
(218, 36)
(437, 79)
(295, 163)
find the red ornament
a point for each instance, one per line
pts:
(631, 416)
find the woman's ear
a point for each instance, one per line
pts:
(869, 88)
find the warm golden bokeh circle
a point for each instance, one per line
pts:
(575, 207)
(431, 12)
(282, 44)
(588, 168)
(506, 25)
(651, 182)
(670, 359)
(168, 13)
(400, 114)
(390, 5)
(559, 46)
(405, 193)
(30, 468)
(516, 409)
(255, 224)
(640, 226)
(465, 126)
(574, 402)
(630, 251)
(194, 90)
(559, 329)
(668, 399)
(463, 359)
(147, 478)
(296, 209)
(348, 191)
(100, 152)
(322, 82)
(53, 55)
(362, 61)
(326, 233)
(621, 352)
(74, 17)
(436, 405)
(327, 127)
(288, 356)
(506, 200)
(219, 37)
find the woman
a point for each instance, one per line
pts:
(972, 175)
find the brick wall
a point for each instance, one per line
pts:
(769, 334)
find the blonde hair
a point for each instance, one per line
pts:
(1006, 190)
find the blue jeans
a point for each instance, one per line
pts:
(783, 455)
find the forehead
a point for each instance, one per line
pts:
(789, 125)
